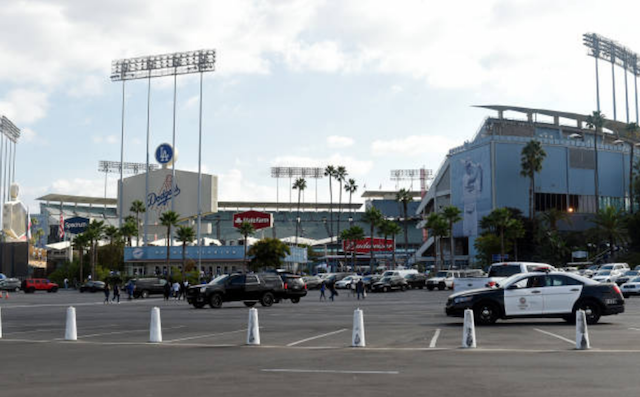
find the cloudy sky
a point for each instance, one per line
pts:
(372, 85)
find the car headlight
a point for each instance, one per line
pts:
(203, 290)
(462, 299)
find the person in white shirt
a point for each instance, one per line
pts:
(176, 290)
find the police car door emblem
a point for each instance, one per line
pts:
(523, 303)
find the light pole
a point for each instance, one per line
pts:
(9, 133)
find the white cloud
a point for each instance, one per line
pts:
(413, 145)
(24, 106)
(233, 186)
(336, 141)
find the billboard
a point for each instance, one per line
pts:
(185, 193)
(259, 220)
(76, 225)
(364, 245)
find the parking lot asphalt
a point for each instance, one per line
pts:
(411, 346)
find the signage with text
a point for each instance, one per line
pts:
(364, 245)
(259, 220)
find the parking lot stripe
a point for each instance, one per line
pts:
(434, 340)
(121, 332)
(635, 329)
(51, 329)
(206, 336)
(331, 371)
(556, 336)
(316, 337)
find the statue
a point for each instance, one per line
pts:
(14, 216)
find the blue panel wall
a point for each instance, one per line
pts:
(581, 181)
(512, 190)
(553, 177)
(612, 174)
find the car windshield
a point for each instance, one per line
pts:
(635, 280)
(504, 270)
(441, 274)
(507, 282)
(603, 273)
(219, 280)
(385, 279)
(606, 267)
(631, 273)
(387, 274)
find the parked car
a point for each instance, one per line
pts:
(10, 284)
(144, 287)
(92, 286)
(369, 280)
(416, 280)
(32, 285)
(390, 283)
(547, 295)
(248, 288)
(293, 288)
(626, 276)
(610, 272)
(499, 272)
(313, 282)
(631, 287)
(347, 282)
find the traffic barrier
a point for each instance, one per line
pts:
(155, 329)
(253, 329)
(582, 333)
(357, 337)
(71, 330)
(469, 331)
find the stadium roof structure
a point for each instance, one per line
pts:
(618, 127)
(387, 194)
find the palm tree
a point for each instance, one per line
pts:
(94, 233)
(451, 214)
(350, 187)
(384, 229)
(299, 185)
(552, 216)
(246, 229)
(438, 227)
(330, 171)
(498, 220)
(610, 223)
(80, 243)
(531, 159)
(169, 219)
(515, 230)
(404, 196)
(129, 229)
(632, 129)
(340, 175)
(112, 233)
(354, 233)
(185, 234)
(373, 217)
(137, 207)
(596, 121)
(393, 229)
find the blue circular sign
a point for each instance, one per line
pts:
(164, 153)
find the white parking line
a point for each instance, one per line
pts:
(316, 337)
(206, 336)
(330, 371)
(120, 332)
(635, 329)
(53, 329)
(434, 340)
(556, 336)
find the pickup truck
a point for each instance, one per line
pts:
(497, 273)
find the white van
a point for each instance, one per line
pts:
(401, 273)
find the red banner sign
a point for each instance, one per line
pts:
(259, 220)
(364, 246)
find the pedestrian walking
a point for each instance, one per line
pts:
(332, 289)
(130, 289)
(322, 289)
(167, 291)
(176, 290)
(185, 285)
(116, 293)
(106, 293)
(360, 289)
(66, 283)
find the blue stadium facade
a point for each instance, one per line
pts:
(484, 173)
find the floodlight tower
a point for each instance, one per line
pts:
(291, 172)
(9, 135)
(116, 167)
(162, 65)
(423, 174)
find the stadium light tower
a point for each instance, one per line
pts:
(291, 172)
(146, 67)
(9, 135)
(115, 167)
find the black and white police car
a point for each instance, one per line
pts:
(536, 295)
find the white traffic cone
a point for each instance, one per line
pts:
(155, 329)
(469, 331)
(357, 337)
(582, 333)
(71, 330)
(253, 330)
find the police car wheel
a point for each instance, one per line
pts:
(441, 286)
(485, 313)
(591, 311)
(430, 287)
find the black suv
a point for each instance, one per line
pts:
(389, 283)
(143, 287)
(249, 288)
(294, 288)
(416, 280)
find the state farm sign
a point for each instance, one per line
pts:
(364, 245)
(259, 220)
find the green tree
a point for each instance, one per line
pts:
(552, 216)
(352, 234)
(451, 214)
(299, 185)
(268, 253)
(112, 233)
(515, 230)
(94, 233)
(486, 245)
(350, 187)
(330, 171)
(610, 223)
(246, 229)
(169, 219)
(498, 220)
(596, 121)
(185, 234)
(373, 217)
(438, 227)
(80, 242)
(531, 160)
(138, 208)
(128, 230)
(393, 229)
(340, 175)
(404, 197)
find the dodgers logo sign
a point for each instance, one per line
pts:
(164, 153)
(161, 201)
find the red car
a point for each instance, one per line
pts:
(38, 284)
